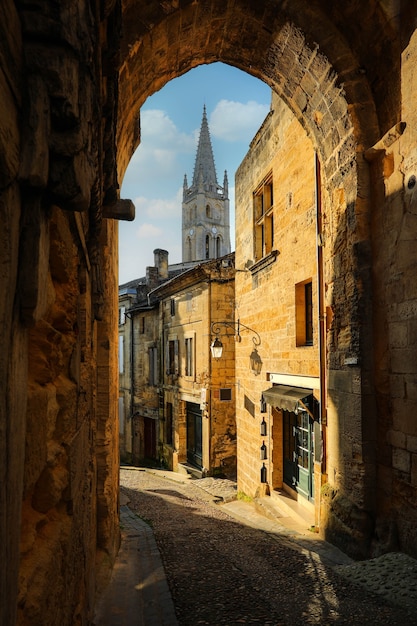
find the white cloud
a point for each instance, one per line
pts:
(159, 208)
(235, 121)
(147, 231)
(157, 127)
(158, 157)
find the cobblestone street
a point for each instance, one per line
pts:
(223, 572)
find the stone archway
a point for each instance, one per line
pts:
(73, 77)
(342, 120)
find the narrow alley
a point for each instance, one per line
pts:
(224, 564)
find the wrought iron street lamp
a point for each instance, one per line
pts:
(217, 346)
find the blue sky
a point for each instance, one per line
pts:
(236, 105)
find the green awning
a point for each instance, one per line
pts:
(285, 397)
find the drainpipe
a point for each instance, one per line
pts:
(320, 293)
(321, 316)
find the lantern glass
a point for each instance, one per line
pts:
(216, 348)
(255, 362)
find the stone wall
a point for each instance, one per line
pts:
(266, 291)
(201, 296)
(59, 458)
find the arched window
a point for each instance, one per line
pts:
(189, 257)
(208, 211)
(207, 246)
(218, 247)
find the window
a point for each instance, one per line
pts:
(189, 356)
(304, 313)
(225, 394)
(208, 211)
(168, 423)
(122, 315)
(172, 358)
(172, 306)
(142, 325)
(263, 205)
(218, 248)
(121, 354)
(207, 246)
(153, 366)
(308, 299)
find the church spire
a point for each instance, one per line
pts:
(205, 206)
(204, 162)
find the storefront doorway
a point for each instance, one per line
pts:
(298, 448)
(294, 410)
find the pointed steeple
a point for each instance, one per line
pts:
(184, 188)
(205, 206)
(204, 162)
(225, 185)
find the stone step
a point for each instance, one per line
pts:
(279, 505)
(195, 472)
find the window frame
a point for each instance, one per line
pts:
(304, 314)
(190, 356)
(263, 216)
(153, 376)
(172, 364)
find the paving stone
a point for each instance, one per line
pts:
(226, 564)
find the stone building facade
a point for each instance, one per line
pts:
(73, 78)
(140, 361)
(197, 391)
(279, 422)
(177, 404)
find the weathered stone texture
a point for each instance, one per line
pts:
(67, 86)
(267, 296)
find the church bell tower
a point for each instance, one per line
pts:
(205, 206)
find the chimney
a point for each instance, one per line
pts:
(151, 278)
(161, 263)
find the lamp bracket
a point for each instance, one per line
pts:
(216, 328)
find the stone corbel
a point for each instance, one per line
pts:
(120, 210)
(387, 140)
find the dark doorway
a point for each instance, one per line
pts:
(194, 435)
(149, 438)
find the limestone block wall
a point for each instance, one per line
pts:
(266, 296)
(59, 453)
(394, 228)
(223, 445)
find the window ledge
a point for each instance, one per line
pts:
(265, 262)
